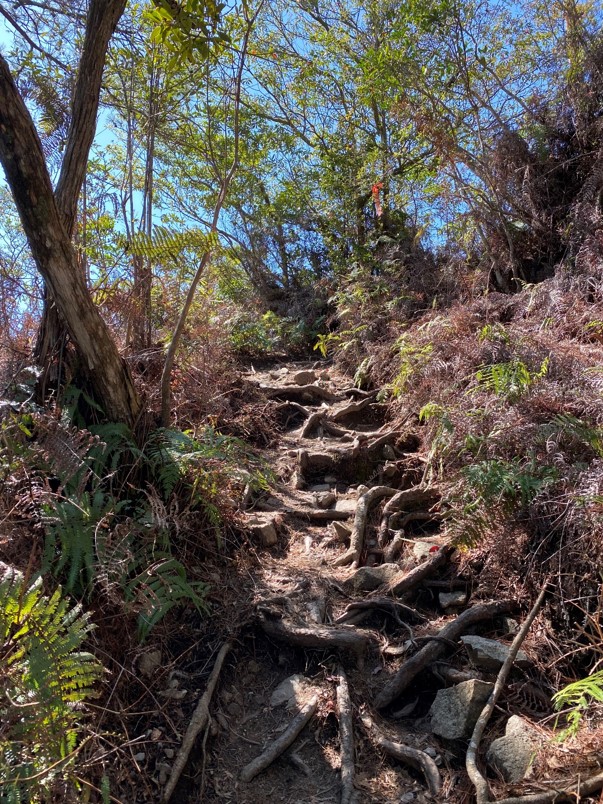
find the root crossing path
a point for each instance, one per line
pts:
(358, 611)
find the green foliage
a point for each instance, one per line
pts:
(518, 480)
(442, 439)
(45, 678)
(168, 245)
(494, 333)
(574, 429)
(413, 358)
(189, 28)
(510, 380)
(578, 696)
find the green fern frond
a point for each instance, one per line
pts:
(44, 675)
(578, 696)
(168, 244)
(510, 380)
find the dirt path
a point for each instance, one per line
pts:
(358, 607)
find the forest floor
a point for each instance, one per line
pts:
(345, 603)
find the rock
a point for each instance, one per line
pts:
(140, 757)
(360, 490)
(455, 710)
(340, 530)
(330, 479)
(253, 667)
(389, 470)
(489, 654)
(304, 377)
(388, 453)
(422, 550)
(512, 754)
(264, 529)
(294, 691)
(149, 662)
(450, 600)
(510, 626)
(366, 579)
(324, 499)
(320, 487)
(324, 375)
(346, 504)
(170, 753)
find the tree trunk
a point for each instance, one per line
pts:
(46, 223)
(103, 16)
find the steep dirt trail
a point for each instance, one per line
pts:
(352, 585)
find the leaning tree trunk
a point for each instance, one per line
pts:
(103, 16)
(55, 257)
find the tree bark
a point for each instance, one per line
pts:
(102, 19)
(45, 225)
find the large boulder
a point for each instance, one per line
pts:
(455, 711)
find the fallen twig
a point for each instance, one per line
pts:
(479, 782)
(346, 736)
(437, 647)
(405, 753)
(199, 721)
(282, 742)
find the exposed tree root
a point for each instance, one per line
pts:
(393, 607)
(199, 721)
(437, 647)
(310, 635)
(581, 787)
(353, 408)
(346, 736)
(301, 393)
(282, 742)
(410, 756)
(352, 556)
(479, 782)
(405, 582)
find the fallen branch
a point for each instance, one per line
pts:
(410, 756)
(346, 736)
(352, 556)
(478, 781)
(282, 742)
(199, 721)
(437, 647)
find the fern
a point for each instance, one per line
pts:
(168, 244)
(578, 696)
(508, 481)
(45, 676)
(510, 380)
(575, 429)
(158, 588)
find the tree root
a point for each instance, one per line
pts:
(310, 635)
(282, 742)
(353, 408)
(479, 782)
(352, 556)
(410, 756)
(583, 788)
(393, 607)
(346, 736)
(405, 582)
(199, 721)
(301, 393)
(437, 647)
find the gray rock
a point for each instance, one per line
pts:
(366, 579)
(450, 600)
(294, 691)
(512, 755)
(455, 710)
(490, 654)
(264, 529)
(345, 504)
(422, 550)
(340, 530)
(324, 499)
(150, 662)
(510, 626)
(330, 479)
(304, 377)
(320, 487)
(389, 453)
